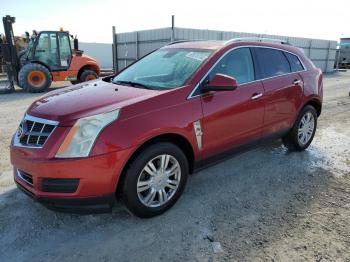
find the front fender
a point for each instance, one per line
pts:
(135, 131)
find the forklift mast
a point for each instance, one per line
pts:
(9, 50)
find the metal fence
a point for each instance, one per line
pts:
(130, 46)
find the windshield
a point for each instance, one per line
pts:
(163, 69)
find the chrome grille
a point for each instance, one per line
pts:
(34, 131)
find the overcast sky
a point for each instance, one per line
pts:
(92, 20)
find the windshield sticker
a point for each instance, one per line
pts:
(197, 56)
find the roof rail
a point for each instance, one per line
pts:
(256, 39)
(187, 40)
(182, 41)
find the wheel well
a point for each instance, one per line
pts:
(316, 104)
(87, 67)
(178, 140)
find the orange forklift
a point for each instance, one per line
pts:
(48, 57)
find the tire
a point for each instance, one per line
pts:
(22, 61)
(34, 78)
(88, 75)
(75, 82)
(136, 176)
(303, 131)
(22, 57)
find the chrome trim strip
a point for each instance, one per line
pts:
(19, 175)
(16, 141)
(249, 46)
(40, 120)
(257, 96)
(255, 39)
(30, 131)
(198, 132)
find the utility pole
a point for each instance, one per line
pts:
(114, 51)
(172, 28)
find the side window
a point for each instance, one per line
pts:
(65, 51)
(238, 64)
(272, 62)
(295, 63)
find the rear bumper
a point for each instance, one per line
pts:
(86, 205)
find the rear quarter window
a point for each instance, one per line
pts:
(272, 62)
(294, 61)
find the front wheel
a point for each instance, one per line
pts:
(303, 131)
(155, 180)
(34, 78)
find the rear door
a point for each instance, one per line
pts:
(283, 88)
(232, 118)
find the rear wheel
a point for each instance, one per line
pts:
(74, 82)
(303, 131)
(34, 78)
(88, 75)
(155, 180)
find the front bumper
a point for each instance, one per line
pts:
(98, 177)
(85, 205)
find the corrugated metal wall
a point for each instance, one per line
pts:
(133, 45)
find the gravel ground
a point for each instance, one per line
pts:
(263, 205)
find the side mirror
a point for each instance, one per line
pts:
(220, 82)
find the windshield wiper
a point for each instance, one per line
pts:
(131, 83)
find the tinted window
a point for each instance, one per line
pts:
(272, 62)
(238, 64)
(294, 62)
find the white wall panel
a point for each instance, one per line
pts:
(322, 52)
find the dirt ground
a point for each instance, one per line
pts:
(267, 204)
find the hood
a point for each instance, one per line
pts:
(89, 58)
(94, 97)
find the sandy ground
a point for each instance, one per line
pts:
(264, 205)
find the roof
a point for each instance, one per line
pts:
(218, 44)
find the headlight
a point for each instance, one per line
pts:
(82, 136)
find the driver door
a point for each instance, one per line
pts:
(232, 118)
(65, 51)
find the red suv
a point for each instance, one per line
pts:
(141, 132)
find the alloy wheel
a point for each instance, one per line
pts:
(306, 128)
(159, 180)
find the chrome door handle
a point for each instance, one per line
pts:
(256, 96)
(297, 82)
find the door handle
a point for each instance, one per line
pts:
(256, 96)
(297, 82)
